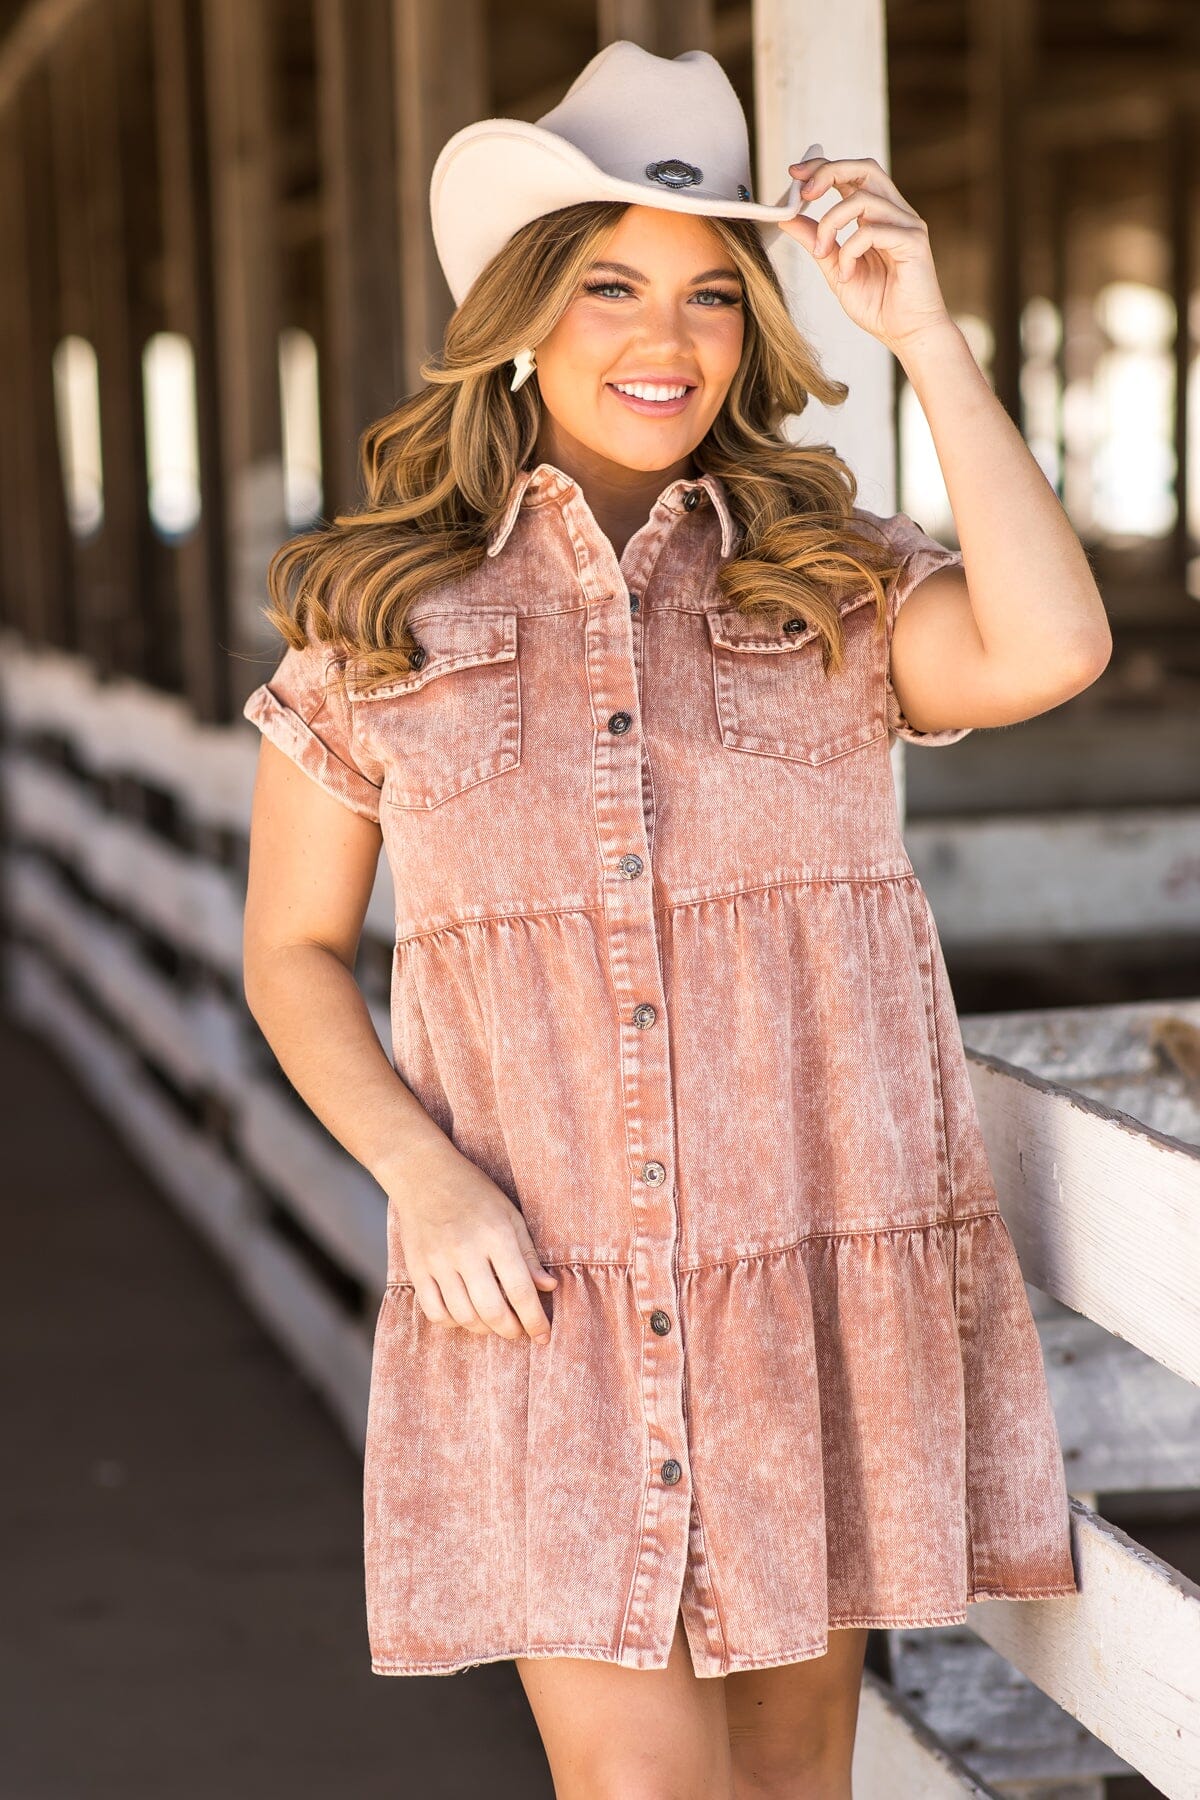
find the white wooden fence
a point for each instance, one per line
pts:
(1045, 1697)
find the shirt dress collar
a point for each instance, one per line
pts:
(535, 487)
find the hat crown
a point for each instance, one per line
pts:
(662, 131)
(672, 122)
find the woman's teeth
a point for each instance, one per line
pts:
(642, 391)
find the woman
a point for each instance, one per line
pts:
(704, 1347)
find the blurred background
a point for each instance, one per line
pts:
(218, 270)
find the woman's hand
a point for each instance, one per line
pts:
(883, 274)
(468, 1251)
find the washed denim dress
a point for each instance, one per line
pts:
(663, 969)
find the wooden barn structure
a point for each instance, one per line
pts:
(219, 269)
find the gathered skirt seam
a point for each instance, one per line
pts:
(872, 1231)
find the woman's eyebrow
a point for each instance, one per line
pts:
(636, 274)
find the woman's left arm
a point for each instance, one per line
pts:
(1022, 627)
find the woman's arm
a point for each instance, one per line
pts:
(312, 868)
(1022, 627)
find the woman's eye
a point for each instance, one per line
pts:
(621, 287)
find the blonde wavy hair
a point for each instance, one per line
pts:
(438, 469)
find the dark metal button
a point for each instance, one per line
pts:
(692, 498)
(644, 1015)
(794, 625)
(417, 657)
(634, 602)
(620, 721)
(660, 1321)
(630, 865)
(670, 1471)
(654, 1173)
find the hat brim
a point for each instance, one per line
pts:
(496, 175)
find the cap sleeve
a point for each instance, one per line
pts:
(304, 712)
(922, 555)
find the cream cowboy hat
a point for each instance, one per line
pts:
(653, 130)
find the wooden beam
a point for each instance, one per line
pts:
(40, 590)
(101, 253)
(362, 367)
(37, 555)
(38, 29)
(664, 27)
(240, 88)
(1179, 166)
(189, 307)
(127, 627)
(441, 85)
(74, 309)
(16, 555)
(1001, 75)
(1103, 1210)
(1122, 1656)
(895, 1752)
(1082, 873)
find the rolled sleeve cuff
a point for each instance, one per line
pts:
(289, 733)
(920, 563)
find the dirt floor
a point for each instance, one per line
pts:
(183, 1608)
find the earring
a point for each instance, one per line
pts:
(525, 365)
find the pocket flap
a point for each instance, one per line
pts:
(446, 641)
(735, 630)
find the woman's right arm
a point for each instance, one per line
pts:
(312, 868)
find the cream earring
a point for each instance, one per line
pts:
(525, 365)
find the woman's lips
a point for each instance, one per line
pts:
(655, 409)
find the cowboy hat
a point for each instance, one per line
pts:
(652, 130)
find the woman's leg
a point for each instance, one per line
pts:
(791, 1729)
(630, 1734)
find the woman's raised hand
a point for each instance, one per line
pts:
(883, 273)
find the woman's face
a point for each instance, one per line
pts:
(662, 304)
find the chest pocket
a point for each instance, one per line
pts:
(455, 719)
(773, 697)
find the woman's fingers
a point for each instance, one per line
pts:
(491, 1302)
(497, 1295)
(516, 1274)
(867, 209)
(849, 175)
(460, 1302)
(429, 1299)
(473, 1263)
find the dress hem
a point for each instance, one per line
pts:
(735, 1664)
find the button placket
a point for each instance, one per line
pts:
(613, 651)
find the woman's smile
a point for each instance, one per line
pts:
(638, 397)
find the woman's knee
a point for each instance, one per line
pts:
(767, 1767)
(792, 1728)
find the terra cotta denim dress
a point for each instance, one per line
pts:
(663, 969)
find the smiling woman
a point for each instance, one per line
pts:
(704, 1346)
(635, 371)
(606, 295)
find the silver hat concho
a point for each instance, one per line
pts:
(675, 173)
